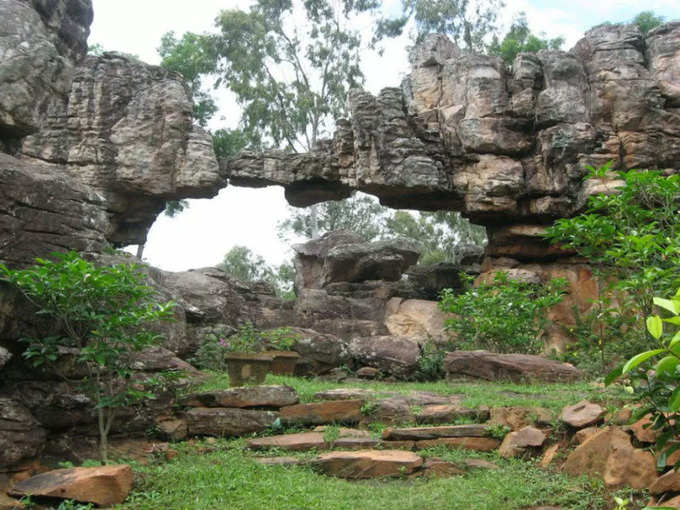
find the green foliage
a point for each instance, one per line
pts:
(468, 24)
(498, 431)
(520, 39)
(290, 65)
(657, 387)
(218, 341)
(505, 315)
(647, 20)
(174, 207)
(104, 312)
(431, 362)
(241, 263)
(228, 143)
(632, 238)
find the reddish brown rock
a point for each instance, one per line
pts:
(478, 444)
(368, 463)
(355, 443)
(438, 468)
(7, 503)
(345, 394)
(173, 429)
(516, 417)
(318, 413)
(519, 442)
(291, 442)
(419, 433)
(668, 482)
(582, 414)
(582, 435)
(227, 422)
(447, 413)
(244, 396)
(549, 455)
(610, 455)
(643, 431)
(516, 367)
(479, 464)
(105, 485)
(392, 355)
(368, 373)
(399, 445)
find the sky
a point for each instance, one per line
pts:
(209, 228)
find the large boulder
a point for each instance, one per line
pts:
(497, 367)
(417, 319)
(368, 463)
(319, 352)
(397, 356)
(104, 485)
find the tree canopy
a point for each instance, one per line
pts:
(520, 39)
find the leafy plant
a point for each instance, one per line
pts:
(505, 315)
(105, 313)
(498, 431)
(632, 239)
(331, 434)
(369, 407)
(657, 388)
(431, 362)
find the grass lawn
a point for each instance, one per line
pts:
(214, 474)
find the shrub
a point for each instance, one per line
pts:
(632, 238)
(503, 316)
(657, 387)
(431, 362)
(102, 311)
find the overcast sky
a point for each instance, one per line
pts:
(202, 234)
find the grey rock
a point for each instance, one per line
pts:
(227, 422)
(21, 436)
(391, 355)
(244, 397)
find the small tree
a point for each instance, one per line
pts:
(102, 311)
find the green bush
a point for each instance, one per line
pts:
(431, 362)
(505, 315)
(219, 341)
(105, 312)
(657, 387)
(632, 239)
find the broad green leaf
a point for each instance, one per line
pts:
(613, 375)
(674, 400)
(640, 358)
(654, 326)
(672, 306)
(667, 364)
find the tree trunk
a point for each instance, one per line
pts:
(103, 437)
(314, 220)
(140, 250)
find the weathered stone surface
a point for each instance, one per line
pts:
(479, 464)
(416, 319)
(610, 455)
(173, 429)
(245, 396)
(130, 137)
(335, 411)
(516, 417)
(104, 485)
(291, 442)
(21, 436)
(583, 435)
(495, 367)
(427, 282)
(367, 373)
(438, 468)
(393, 410)
(379, 260)
(518, 442)
(643, 431)
(478, 444)
(447, 413)
(392, 355)
(40, 43)
(226, 422)
(368, 463)
(345, 394)
(582, 414)
(7, 503)
(321, 351)
(668, 482)
(419, 433)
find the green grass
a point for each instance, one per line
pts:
(221, 475)
(553, 396)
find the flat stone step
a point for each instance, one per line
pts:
(420, 433)
(227, 422)
(368, 463)
(447, 413)
(290, 442)
(277, 461)
(274, 396)
(320, 413)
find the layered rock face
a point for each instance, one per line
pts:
(506, 146)
(114, 134)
